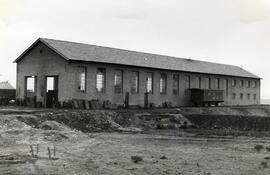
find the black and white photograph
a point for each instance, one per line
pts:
(134, 87)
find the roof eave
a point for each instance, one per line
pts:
(253, 77)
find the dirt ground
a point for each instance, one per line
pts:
(162, 151)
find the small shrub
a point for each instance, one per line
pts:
(267, 148)
(258, 147)
(264, 164)
(136, 159)
(207, 173)
(163, 157)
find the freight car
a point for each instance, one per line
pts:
(6, 95)
(202, 97)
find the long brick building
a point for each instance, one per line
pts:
(60, 70)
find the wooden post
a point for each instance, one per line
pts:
(31, 150)
(37, 149)
(146, 99)
(127, 100)
(49, 152)
(54, 150)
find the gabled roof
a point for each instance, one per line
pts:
(6, 85)
(92, 53)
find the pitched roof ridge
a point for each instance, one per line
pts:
(6, 85)
(141, 52)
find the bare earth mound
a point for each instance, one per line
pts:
(167, 141)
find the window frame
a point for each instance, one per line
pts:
(218, 83)
(198, 81)
(175, 77)
(248, 84)
(241, 83)
(248, 96)
(84, 68)
(164, 89)
(103, 80)
(234, 96)
(208, 83)
(226, 86)
(137, 83)
(234, 82)
(188, 84)
(121, 85)
(188, 81)
(254, 96)
(152, 82)
(241, 96)
(255, 84)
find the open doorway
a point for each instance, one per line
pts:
(51, 98)
(30, 90)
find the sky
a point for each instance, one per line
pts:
(235, 32)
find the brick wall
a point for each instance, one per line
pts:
(47, 63)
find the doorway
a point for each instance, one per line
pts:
(51, 98)
(30, 90)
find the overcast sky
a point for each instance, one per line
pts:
(225, 31)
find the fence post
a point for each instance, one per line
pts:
(49, 152)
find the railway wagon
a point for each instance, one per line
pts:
(202, 97)
(6, 95)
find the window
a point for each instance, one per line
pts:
(248, 96)
(241, 96)
(149, 82)
(254, 96)
(241, 83)
(226, 87)
(82, 79)
(198, 82)
(175, 84)
(248, 84)
(255, 84)
(188, 81)
(118, 81)
(233, 96)
(135, 82)
(208, 83)
(100, 82)
(163, 84)
(233, 83)
(217, 83)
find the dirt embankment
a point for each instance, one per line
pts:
(231, 122)
(79, 150)
(251, 118)
(99, 120)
